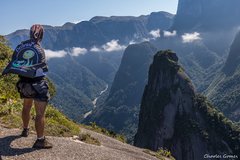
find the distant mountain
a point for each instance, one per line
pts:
(174, 117)
(224, 90)
(159, 20)
(120, 110)
(207, 15)
(98, 31)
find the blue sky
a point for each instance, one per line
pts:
(19, 14)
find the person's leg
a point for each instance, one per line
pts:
(41, 142)
(39, 121)
(27, 105)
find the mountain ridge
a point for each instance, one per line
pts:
(139, 27)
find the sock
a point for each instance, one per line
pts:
(41, 138)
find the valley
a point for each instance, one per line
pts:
(95, 102)
(160, 80)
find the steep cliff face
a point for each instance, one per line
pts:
(172, 116)
(204, 14)
(120, 111)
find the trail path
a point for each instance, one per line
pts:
(13, 147)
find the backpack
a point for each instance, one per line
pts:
(26, 61)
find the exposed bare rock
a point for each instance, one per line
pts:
(15, 147)
(173, 116)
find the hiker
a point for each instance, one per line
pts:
(33, 89)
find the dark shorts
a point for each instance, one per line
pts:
(37, 90)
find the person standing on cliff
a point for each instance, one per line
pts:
(35, 89)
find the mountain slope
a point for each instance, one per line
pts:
(103, 64)
(119, 111)
(224, 90)
(172, 116)
(76, 86)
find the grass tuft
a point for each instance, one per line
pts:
(87, 138)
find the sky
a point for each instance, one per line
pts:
(21, 14)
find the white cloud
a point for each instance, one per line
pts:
(77, 21)
(113, 45)
(132, 42)
(95, 49)
(145, 39)
(55, 54)
(76, 51)
(169, 34)
(155, 33)
(110, 46)
(190, 37)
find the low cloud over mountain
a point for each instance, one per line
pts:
(169, 34)
(113, 45)
(76, 51)
(191, 37)
(55, 54)
(110, 46)
(155, 33)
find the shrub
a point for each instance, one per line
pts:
(87, 138)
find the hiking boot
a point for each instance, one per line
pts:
(42, 144)
(25, 132)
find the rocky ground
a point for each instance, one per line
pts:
(12, 146)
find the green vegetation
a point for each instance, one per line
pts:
(227, 130)
(11, 105)
(56, 123)
(104, 131)
(59, 125)
(7, 83)
(160, 154)
(87, 138)
(225, 94)
(76, 87)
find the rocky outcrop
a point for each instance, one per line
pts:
(173, 116)
(15, 147)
